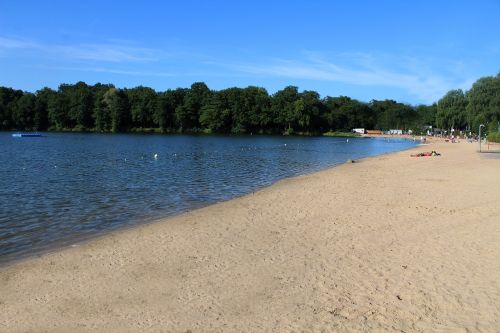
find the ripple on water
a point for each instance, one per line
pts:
(67, 186)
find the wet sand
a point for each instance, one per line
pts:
(391, 243)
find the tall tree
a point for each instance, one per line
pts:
(393, 115)
(216, 115)
(142, 106)
(451, 110)
(23, 114)
(284, 109)
(41, 120)
(80, 104)
(58, 110)
(164, 114)
(308, 111)
(257, 106)
(344, 113)
(427, 114)
(8, 105)
(115, 104)
(188, 114)
(100, 111)
(484, 103)
(102, 107)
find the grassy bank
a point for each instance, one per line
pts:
(341, 134)
(494, 137)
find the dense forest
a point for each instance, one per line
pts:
(105, 108)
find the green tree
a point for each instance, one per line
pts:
(80, 104)
(257, 105)
(216, 114)
(284, 109)
(143, 104)
(58, 110)
(344, 113)
(23, 112)
(100, 111)
(393, 115)
(484, 103)
(427, 114)
(168, 101)
(188, 114)
(451, 110)
(41, 121)
(308, 112)
(235, 110)
(238, 110)
(115, 106)
(8, 105)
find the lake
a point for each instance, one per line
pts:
(66, 187)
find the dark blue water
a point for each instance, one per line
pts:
(65, 187)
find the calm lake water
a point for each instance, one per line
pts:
(66, 187)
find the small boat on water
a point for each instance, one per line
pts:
(26, 135)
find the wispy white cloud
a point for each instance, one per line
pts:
(8, 43)
(425, 79)
(110, 52)
(410, 74)
(115, 71)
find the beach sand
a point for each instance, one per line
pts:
(391, 243)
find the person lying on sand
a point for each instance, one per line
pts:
(432, 153)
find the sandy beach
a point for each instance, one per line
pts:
(392, 243)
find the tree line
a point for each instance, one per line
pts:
(105, 108)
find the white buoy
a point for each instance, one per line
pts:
(155, 156)
(347, 140)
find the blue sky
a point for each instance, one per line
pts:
(410, 51)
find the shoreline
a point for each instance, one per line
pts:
(389, 243)
(79, 241)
